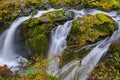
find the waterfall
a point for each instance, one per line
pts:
(74, 70)
(91, 60)
(57, 46)
(7, 53)
(58, 43)
(7, 45)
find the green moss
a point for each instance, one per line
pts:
(11, 10)
(38, 44)
(53, 16)
(31, 2)
(105, 4)
(71, 54)
(91, 29)
(1, 78)
(37, 70)
(45, 4)
(37, 31)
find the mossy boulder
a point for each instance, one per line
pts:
(84, 31)
(91, 29)
(36, 31)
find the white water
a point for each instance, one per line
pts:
(68, 72)
(7, 53)
(91, 60)
(73, 70)
(57, 46)
(7, 45)
(58, 43)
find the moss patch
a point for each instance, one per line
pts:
(105, 4)
(90, 29)
(8, 12)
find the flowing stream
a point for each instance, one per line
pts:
(8, 55)
(57, 46)
(71, 71)
(76, 70)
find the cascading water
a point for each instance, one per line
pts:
(58, 44)
(73, 71)
(68, 72)
(8, 55)
(7, 45)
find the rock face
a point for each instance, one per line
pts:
(87, 30)
(37, 31)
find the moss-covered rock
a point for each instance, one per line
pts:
(98, 4)
(15, 8)
(8, 12)
(105, 4)
(37, 31)
(51, 3)
(91, 29)
(87, 30)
